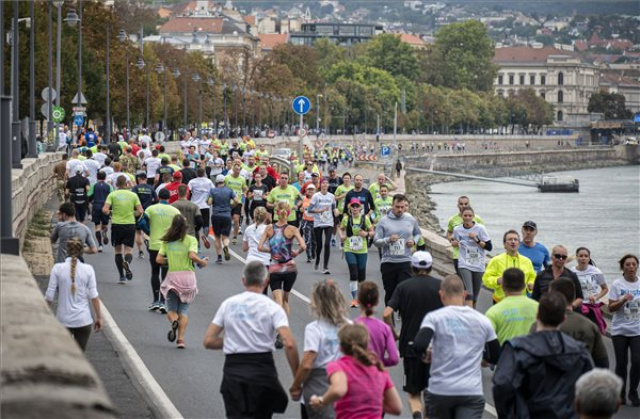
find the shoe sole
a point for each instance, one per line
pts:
(105, 241)
(172, 333)
(127, 270)
(227, 256)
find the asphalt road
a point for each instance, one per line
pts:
(191, 378)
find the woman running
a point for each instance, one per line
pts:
(355, 230)
(306, 227)
(75, 282)
(252, 236)
(320, 347)
(358, 383)
(179, 288)
(282, 270)
(323, 209)
(381, 339)
(593, 285)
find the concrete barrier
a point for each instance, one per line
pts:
(44, 372)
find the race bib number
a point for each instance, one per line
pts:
(257, 194)
(355, 243)
(326, 217)
(397, 248)
(473, 256)
(384, 210)
(632, 311)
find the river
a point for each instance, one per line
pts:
(604, 216)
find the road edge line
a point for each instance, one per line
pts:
(144, 381)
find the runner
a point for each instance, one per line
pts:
(251, 239)
(323, 209)
(250, 385)
(594, 287)
(67, 228)
(151, 165)
(220, 199)
(557, 269)
(98, 196)
(362, 194)
(283, 270)
(77, 188)
(180, 251)
(60, 172)
(237, 184)
(189, 211)
(147, 196)
(75, 283)
(624, 303)
(200, 188)
(536, 252)
(284, 193)
(306, 227)
(159, 216)
(460, 338)
(472, 240)
(125, 207)
(383, 204)
(382, 181)
(359, 386)
(355, 230)
(455, 221)
(321, 346)
(413, 299)
(257, 194)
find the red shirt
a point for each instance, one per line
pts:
(270, 172)
(173, 191)
(134, 149)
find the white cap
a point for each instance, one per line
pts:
(421, 260)
(220, 179)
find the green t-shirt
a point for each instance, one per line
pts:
(383, 206)
(290, 195)
(236, 184)
(160, 219)
(454, 222)
(123, 203)
(177, 253)
(342, 189)
(123, 145)
(512, 317)
(356, 243)
(260, 154)
(163, 155)
(375, 189)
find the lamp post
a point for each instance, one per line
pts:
(141, 65)
(107, 123)
(161, 70)
(58, 4)
(72, 20)
(244, 125)
(176, 74)
(196, 78)
(122, 37)
(15, 90)
(224, 107)
(211, 83)
(235, 104)
(32, 152)
(318, 96)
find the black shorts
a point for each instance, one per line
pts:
(123, 234)
(416, 375)
(205, 219)
(237, 210)
(221, 224)
(98, 217)
(282, 281)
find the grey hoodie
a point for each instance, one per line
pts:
(406, 227)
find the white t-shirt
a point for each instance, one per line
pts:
(460, 334)
(471, 255)
(591, 279)
(216, 165)
(326, 202)
(204, 146)
(73, 309)
(100, 158)
(161, 187)
(152, 164)
(144, 139)
(250, 321)
(200, 188)
(144, 154)
(108, 171)
(321, 337)
(626, 321)
(92, 166)
(251, 236)
(74, 166)
(113, 178)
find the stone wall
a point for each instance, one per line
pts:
(44, 372)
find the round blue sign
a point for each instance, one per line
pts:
(301, 105)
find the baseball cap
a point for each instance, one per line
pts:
(311, 186)
(354, 201)
(220, 179)
(421, 260)
(314, 174)
(177, 175)
(530, 224)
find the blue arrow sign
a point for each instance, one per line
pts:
(301, 105)
(78, 120)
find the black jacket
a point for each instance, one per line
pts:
(544, 278)
(536, 375)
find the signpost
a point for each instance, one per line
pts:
(385, 152)
(301, 105)
(58, 114)
(78, 120)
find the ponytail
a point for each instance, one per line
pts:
(75, 247)
(74, 262)
(354, 339)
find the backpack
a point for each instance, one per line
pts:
(350, 225)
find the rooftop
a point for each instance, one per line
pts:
(527, 54)
(270, 41)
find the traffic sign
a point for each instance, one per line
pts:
(57, 114)
(302, 132)
(385, 151)
(159, 136)
(301, 105)
(44, 110)
(83, 100)
(45, 94)
(78, 120)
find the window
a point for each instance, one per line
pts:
(521, 78)
(560, 96)
(560, 79)
(543, 80)
(347, 30)
(532, 79)
(560, 115)
(543, 95)
(510, 78)
(500, 79)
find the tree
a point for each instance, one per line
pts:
(387, 52)
(612, 105)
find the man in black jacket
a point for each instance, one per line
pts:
(536, 374)
(554, 271)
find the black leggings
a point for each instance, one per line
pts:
(155, 276)
(622, 345)
(319, 231)
(81, 335)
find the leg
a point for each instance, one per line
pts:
(415, 403)
(155, 278)
(139, 243)
(317, 231)
(183, 321)
(468, 407)
(361, 259)
(634, 373)
(81, 335)
(352, 263)
(477, 285)
(621, 348)
(327, 246)
(467, 279)
(388, 281)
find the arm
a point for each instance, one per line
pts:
(392, 357)
(492, 276)
(505, 380)
(290, 348)
(196, 259)
(388, 319)
(96, 308)
(298, 237)
(52, 287)
(422, 340)
(160, 259)
(106, 208)
(302, 374)
(379, 238)
(492, 351)
(392, 402)
(604, 289)
(212, 339)
(338, 387)
(265, 236)
(615, 305)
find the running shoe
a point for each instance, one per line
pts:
(225, 249)
(146, 243)
(122, 280)
(634, 399)
(205, 241)
(127, 270)
(354, 303)
(100, 249)
(326, 271)
(234, 242)
(180, 344)
(172, 333)
(315, 267)
(278, 344)
(240, 232)
(219, 260)
(154, 306)
(140, 254)
(162, 308)
(309, 260)
(105, 238)
(417, 415)
(334, 243)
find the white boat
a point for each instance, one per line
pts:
(559, 184)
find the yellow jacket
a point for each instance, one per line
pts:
(499, 264)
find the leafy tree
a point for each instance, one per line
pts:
(387, 52)
(612, 105)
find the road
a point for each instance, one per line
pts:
(191, 378)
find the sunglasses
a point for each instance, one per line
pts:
(558, 256)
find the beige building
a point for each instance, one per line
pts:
(629, 87)
(560, 77)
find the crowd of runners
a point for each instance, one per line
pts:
(542, 337)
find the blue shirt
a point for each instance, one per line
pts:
(221, 200)
(146, 193)
(538, 254)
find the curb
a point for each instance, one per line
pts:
(143, 380)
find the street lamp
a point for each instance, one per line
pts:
(122, 37)
(212, 83)
(16, 151)
(176, 74)
(318, 96)
(224, 107)
(32, 152)
(141, 65)
(58, 5)
(160, 69)
(72, 20)
(196, 78)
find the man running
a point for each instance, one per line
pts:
(362, 194)
(287, 193)
(124, 205)
(77, 188)
(238, 185)
(98, 196)
(69, 227)
(189, 210)
(536, 252)
(200, 188)
(220, 199)
(147, 196)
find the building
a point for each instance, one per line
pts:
(268, 41)
(560, 77)
(414, 41)
(629, 87)
(344, 34)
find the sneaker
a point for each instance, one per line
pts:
(154, 306)
(278, 344)
(105, 238)
(162, 308)
(219, 260)
(122, 280)
(234, 241)
(206, 242)
(634, 399)
(100, 249)
(334, 243)
(326, 271)
(417, 415)
(239, 232)
(141, 255)
(354, 303)
(172, 333)
(180, 344)
(127, 270)
(225, 249)
(309, 260)
(315, 267)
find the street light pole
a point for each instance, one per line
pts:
(50, 65)
(196, 78)
(79, 54)
(160, 69)
(58, 4)
(318, 114)
(122, 37)
(15, 89)
(224, 101)
(107, 125)
(32, 152)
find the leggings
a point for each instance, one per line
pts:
(472, 283)
(81, 335)
(357, 263)
(622, 345)
(155, 276)
(309, 238)
(319, 231)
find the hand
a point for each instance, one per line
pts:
(343, 238)
(363, 233)
(204, 262)
(427, 359)
(394, 238)
(316, 402)
(410, 243)
(455, 243)
(529, 286)
(628, 297)
(499, 281)
(485, 364)
(472, 235)
(295, 394)
(97, 326)
(592, 299)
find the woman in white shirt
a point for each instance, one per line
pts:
(593, 285)
(75, 283)
(321, 346)
(251, 239)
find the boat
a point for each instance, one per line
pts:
(559, 184)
